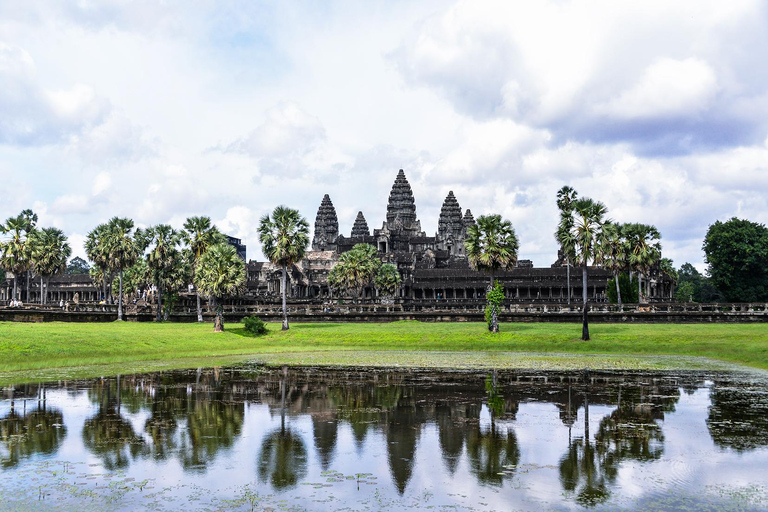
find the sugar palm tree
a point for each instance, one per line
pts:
(220, 273)
(162, 259)
(644, 250)
(614, 252)
(200, 235)
(29, 220)
(580, 232)
(355, 269)
(387, 279)
(565, 198)
(284, 239)
(15, 257)
(122, 252)
(491, 245)
(96, 250)
(49, 252)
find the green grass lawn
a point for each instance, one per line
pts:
(30, 350)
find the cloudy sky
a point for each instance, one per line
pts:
(163, 110)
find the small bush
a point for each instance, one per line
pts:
(255, 325)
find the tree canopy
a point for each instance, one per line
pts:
(736, 252)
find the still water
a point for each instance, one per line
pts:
(311, 439)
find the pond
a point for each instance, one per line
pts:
(255, 438)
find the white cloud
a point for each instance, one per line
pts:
(668, 88)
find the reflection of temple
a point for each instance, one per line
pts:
(194, 418)
(431, 267)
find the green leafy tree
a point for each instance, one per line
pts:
(355, 270)
(123, 249)
(580, 233)
(736, 252)
(491, 245)
(644, 248)
(692, 286)
(136, 277)
(495, 298)
(284, 240)
(220, 273)
(77, 265)
(200, 235)
(628, 286)
(387, 279)
(49, 252)
(164, 259)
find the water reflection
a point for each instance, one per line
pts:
(571, 434)
(32, 429)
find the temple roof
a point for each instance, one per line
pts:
(468, 219)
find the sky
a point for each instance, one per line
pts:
(159, 111)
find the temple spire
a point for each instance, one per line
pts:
(360, 228)
(401, 209)
(326, 226)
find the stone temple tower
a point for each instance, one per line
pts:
(360, 228)
(326, 226)
(401, 209)
(451, 231)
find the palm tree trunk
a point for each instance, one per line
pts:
(218, 323)
(568, 279)
(639, 289)
(585, 308)
(42, 293)
(15, 283)
(199, 308)
(285, 307)
(120, 297)
(158, 317)
(618, 288)
(27, 280)
(104, 286)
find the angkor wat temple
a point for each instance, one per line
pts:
(431, 267)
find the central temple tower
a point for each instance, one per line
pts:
(401, 224)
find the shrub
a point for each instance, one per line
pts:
(255, 325)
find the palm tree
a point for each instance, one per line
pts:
(355, 269)
(96, 250)
(644, 250)
(29, 220)
(580, 234)
(614, 252)
(387, 279)
(200, 235)
(15, 256)
(49, 252)
(284, 239)
(163, 259)
(565, 198)
(491, 245)
(122, 251)
(220, 273)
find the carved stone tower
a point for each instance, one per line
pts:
(401, 209)
(450, 227)
(360, 228)
(326, 226)
(468, 219)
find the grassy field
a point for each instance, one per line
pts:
(58, 350)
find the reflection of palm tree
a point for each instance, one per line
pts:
(42, 431)
(107, 434)
(583, 470)
(283, 456)
(630, 432)
(490, 451)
